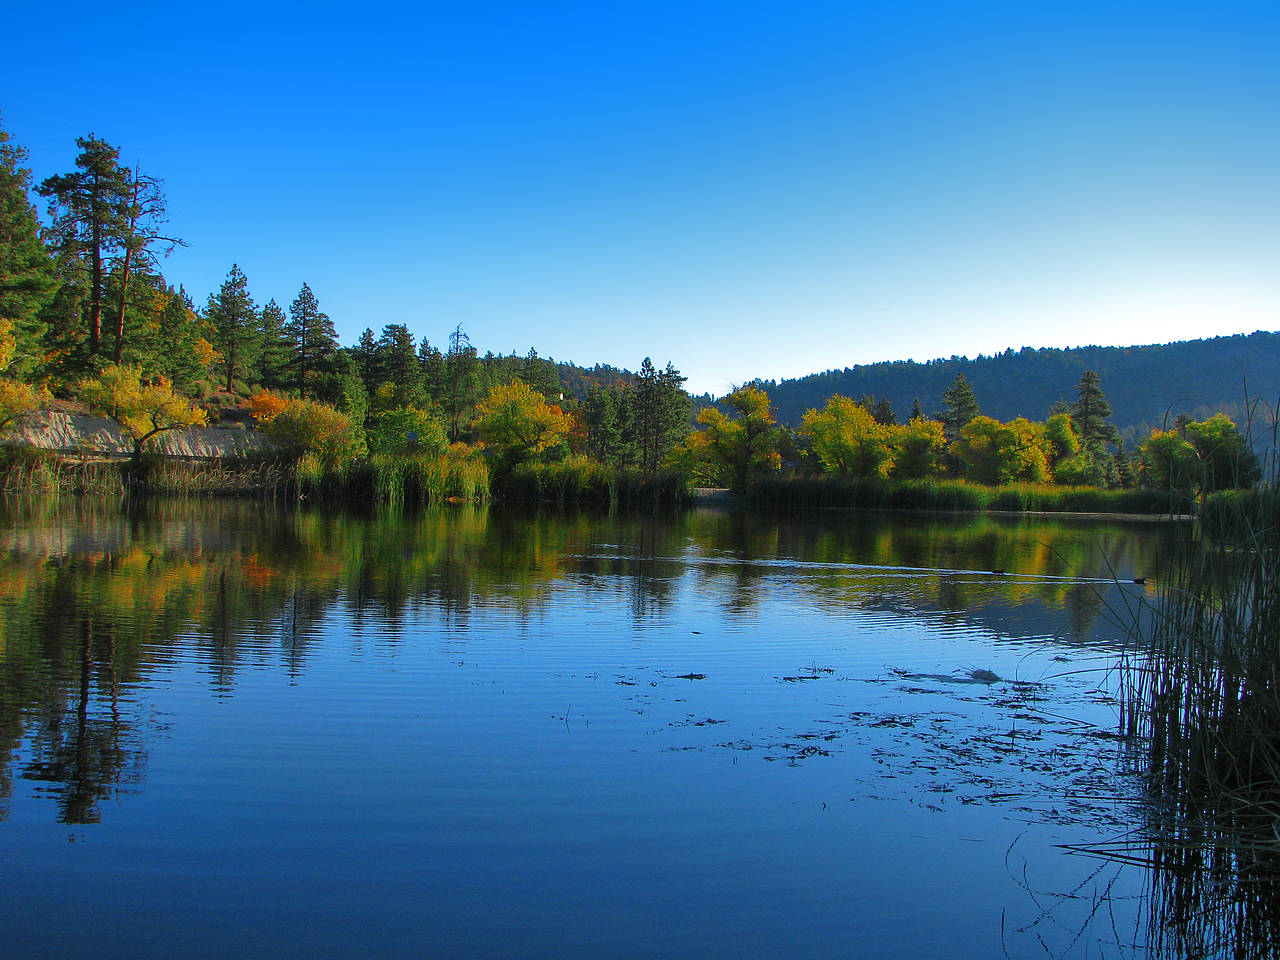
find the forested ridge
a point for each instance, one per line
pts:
(1147, 386)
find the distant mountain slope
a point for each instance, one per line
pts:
(1146, 385)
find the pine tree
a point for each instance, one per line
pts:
(461, 380)
(186, 352)
(314, 338)
(365, 355)
(1090, 415)
(661, 411)
(27, 280)
(397, 364)
(144, 215)
(959, 406)
(89, 207)
(275, 347)
(1091, 411)
(234, 324)
(541, 375)
(611, 435)
(434, 374)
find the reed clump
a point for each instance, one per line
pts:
(580, 480)
(1203, 700)
(32, 470)
(395, 478)
(242, 477)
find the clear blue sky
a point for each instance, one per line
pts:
(744, 189)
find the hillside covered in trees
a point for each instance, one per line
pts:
(1147, 386)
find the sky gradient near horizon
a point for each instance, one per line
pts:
(745, 190)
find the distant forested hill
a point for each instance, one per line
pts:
(1143, 384)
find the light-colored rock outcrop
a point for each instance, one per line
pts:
(78, 433)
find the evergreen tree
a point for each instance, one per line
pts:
(343, 387)
(275, 347)
(881, 410)
(365, 355)
(434, 375)
(959, 406)
(27, 279)
(397, 364)
(611, 435)
(661, 413)
(1090, 414)
(541, 374)
(89, 207)
(234, 324)
(186, 351)
(314, 338)
(461, 380)
(143, 218)
(917, 411)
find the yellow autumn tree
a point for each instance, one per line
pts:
(731, 448)
(16, 397)
(918, 449)
(996, 453)
(264, 406)
(848, 440)
(516, 423)
(144, 407)
(310, 428)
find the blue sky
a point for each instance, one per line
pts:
(745, 189)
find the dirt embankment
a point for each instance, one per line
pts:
(82, 434)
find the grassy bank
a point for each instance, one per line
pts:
(576, 480)
(954, 495)
(402, 479)
(32, 470)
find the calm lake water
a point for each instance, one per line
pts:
(230, 730)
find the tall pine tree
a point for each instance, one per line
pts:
(1091, 415)
(959, 406)
(26, 272)
(89, 207)
(661, 412)
(275, 352)
(142, 242)
(313, 335)
(234, 324)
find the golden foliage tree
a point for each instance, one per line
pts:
(517, 423)
(144, 407)
(848, 440)
(309, 428)
(918, 449)
(995, 453)
(16, 398)
(729, 449)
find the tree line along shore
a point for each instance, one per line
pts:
(88, 321)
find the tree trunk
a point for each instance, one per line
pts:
(118, 353)
(95, 292)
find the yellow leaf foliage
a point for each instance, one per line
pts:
(516, 422)
(144, 407)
